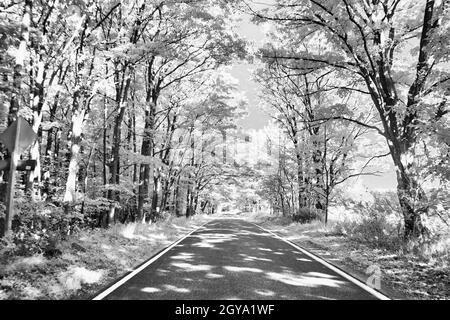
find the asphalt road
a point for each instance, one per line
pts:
(234, 259)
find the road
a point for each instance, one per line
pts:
(235, 259)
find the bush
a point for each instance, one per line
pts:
(94, 210)
(38, 227)
(377, 223)
(376, 231)
(306, 215)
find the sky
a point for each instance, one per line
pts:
(242, 71)
(256, 118)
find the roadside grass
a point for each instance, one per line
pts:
(357, 241)
(89, 260)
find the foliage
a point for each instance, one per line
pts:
(123, 94)
(39, 227)
(307, 215)
(376, 222)
(370, 49)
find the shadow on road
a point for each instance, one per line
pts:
(233, 259)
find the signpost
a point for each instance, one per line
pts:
(22, 165)
(16, 138)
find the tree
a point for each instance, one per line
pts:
(109, 87)
(322, 147)
(367, 43)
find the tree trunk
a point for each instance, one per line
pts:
(122, 88)
(147, 141)
(412, 198)
(189, 200)
(115, 153)
(49, 156)
(37, 93)
(181, 198)
(75, 140)
(146, 170)
(155, 208)
(105, 145)
(300, 177)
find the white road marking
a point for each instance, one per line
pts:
(142, 267)
(359, 283)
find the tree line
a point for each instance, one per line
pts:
(336, 70)
(124, 97)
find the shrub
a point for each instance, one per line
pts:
(306, 215)
(377, 223)
(38, 227)
(93, 210)
(376, 231)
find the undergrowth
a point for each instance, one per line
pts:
(376, 223)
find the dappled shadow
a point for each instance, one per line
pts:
(233, 259)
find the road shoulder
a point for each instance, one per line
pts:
(355, 259)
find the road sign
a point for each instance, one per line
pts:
(26, 136)
(22, 165)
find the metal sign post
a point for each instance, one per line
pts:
(16, 138)
(11, 182)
